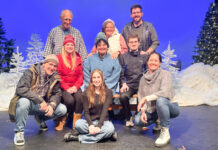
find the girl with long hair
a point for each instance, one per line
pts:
(96, 100)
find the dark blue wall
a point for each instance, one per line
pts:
(177, 21)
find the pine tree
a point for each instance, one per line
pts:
(35, 52)
(167, 62)
(206, 49)
(6, 50)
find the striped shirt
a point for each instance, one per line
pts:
(55, 41)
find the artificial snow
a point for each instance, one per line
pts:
(196, 85)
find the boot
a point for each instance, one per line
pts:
(60, 123)
(164, 137)
(157, 127)
(75, 118)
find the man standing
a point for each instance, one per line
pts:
(56, 36)
(145, 31)
(133, 64)
(103, 61)
(39, 94)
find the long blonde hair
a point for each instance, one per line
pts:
(91, 89)
(66, 62)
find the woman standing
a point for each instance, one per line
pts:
(96, 100)
(71, 72)
(155, 93)
(117, 44)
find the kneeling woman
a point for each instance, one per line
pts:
(96, 100)
(155, 92)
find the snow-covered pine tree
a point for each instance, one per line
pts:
(35, 52)
(167, 63)
(20, 67)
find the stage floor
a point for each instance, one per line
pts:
(196, 128)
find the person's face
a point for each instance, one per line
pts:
(66, 19)
(69, 47)
(102, 48)
(49, 68)
(133, 44)
(109, 29)
(153, 62)
(136, 14)
(96, 79)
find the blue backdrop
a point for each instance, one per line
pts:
(176, 21)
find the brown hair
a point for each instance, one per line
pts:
(91, 89)
(131, 36)
(135, 6)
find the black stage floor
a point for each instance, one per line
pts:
(196, 129)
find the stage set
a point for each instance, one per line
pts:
(178, 25)
(195, 129)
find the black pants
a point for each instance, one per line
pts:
(124, 100)
(73, 101)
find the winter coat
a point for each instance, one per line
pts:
(28, 85)
(68, 76)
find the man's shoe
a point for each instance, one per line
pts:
(129, 123)
(114, 136)
(19, 138)
(42, 125)
(164, 137)
(70, 137)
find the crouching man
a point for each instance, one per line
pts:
(38, 94)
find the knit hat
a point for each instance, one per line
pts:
(68, 39)
(51, 58)
(101, 36)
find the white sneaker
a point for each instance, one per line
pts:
(19, 138)
(164, 137)
(129, 123)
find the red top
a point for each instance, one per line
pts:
(68, 76)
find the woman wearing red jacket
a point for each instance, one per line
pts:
(70, 70)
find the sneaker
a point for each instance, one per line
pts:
(114, 136)
(75, 132)
(129, 123)
(164, 137)
(19, 138)
(42, 125)
(70, 137)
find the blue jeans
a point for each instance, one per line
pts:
(27, 107)
(82, 127)
(164, 110)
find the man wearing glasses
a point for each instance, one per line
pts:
(145, 31)
(56, 36)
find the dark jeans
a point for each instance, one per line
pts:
(124, 100)
(73, 101)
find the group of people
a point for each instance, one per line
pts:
(69, 82)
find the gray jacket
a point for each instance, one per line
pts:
(149, 35)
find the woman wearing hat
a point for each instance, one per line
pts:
(117, 44)
(70, 70)
(96, 100)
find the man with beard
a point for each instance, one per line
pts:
(145, 31)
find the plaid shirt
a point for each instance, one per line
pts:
(43, 83)
(55, 41)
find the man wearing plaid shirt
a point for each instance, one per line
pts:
(57, 34)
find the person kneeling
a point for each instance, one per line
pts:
(38, 93)
(155, 92)
(96, 100)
